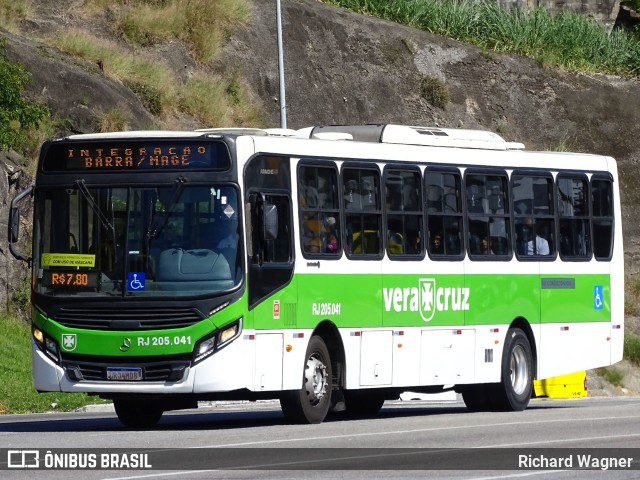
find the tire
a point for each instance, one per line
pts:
(360, 403)
(311, 403)
(138, 413)
(514, 391)
(478, 398)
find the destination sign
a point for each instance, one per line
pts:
(132, 155)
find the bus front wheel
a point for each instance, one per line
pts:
(311, 403)
(477, 398)
(514, 391)
(137, 413)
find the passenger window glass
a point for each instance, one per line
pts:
(444, 214)
(602, 209)
(488, 215)
(403, 195)
(573, 210)
(319, 213)
(363, 221)
(534, 215)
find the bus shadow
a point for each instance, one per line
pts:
(195, 420)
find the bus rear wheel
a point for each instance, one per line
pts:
(138, 413)
(514, 391)
(311, 403)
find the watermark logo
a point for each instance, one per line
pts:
(23, 459)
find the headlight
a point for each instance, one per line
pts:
(229, 334)
(208, 345)
(51, 345)
(38, 336)
(47, 344)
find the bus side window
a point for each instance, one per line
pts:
(534, 217)
(444, 213)
(404, 208)
(573, 210)
(319, 215)
(488, 214)
(363, 221)
(602, 212)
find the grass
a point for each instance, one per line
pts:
(12, 12)
(565, 39)
(113, 120)
(201, 24)
(632, 347)
(17, 394)
(211, 99)
(611, 375)
(632, 296)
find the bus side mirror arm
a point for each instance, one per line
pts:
(13, 225)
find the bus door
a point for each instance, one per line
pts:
(272, 295)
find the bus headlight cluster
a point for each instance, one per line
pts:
(218, 339)
(47, 344)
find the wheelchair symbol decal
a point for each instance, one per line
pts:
(136, 281)
(597, 297)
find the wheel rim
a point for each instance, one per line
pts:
(519, 370)
(315, 380)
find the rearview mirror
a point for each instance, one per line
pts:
(270, 222)
(13, 225)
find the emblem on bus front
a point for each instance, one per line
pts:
(126, 344)
(69, 342)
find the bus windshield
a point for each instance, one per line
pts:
(127, 241)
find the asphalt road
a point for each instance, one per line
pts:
(410, 439)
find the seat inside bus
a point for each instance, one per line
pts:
(195, 269)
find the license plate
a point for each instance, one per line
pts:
(124, 373)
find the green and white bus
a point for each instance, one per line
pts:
(332, 268)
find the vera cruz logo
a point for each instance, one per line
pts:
(426, 298)
(69, 341)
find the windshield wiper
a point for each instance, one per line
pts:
(157, 224)
(94, 206)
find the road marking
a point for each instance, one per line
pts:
(404, 432)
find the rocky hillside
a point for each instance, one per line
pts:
(341, 67)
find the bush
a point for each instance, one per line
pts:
(632, 347)
(611, 375)
(17, 115)
(434, 91)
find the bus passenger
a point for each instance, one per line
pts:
(484, 245)
(537, 245)
(331, 239)
(436, 244)
(313, 245)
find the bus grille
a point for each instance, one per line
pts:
(165, 370)
(127, 318)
